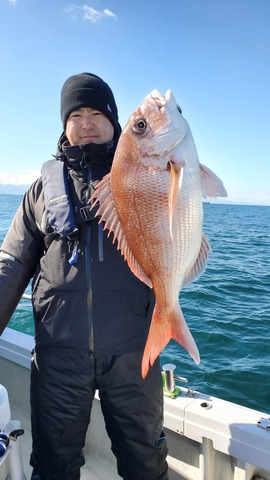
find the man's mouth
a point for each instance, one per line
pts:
(89, 136)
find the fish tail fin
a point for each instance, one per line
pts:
(161, 332)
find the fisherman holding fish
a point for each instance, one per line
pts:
(92, 313)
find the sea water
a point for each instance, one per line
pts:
(227, 308)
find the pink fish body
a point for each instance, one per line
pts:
(152, 202)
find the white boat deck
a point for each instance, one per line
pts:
(95, 468)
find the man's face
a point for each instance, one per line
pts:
(87, 125)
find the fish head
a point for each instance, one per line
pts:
(156, 127)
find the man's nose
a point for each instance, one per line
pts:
(87, 122)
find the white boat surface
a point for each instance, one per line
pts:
(208, 438)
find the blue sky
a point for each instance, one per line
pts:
(213, 54)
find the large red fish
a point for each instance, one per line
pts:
(152, 202)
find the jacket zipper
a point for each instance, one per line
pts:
(89, 299)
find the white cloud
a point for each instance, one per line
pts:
(109, 13)
(24, 177)
(89, 14)
(13, 2)
(92, 15)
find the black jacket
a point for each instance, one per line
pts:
(97, 304)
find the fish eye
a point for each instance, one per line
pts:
(140, 125)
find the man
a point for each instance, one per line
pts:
(91, 313)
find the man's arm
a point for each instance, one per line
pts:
(20, 253)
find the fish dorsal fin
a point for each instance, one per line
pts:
(212, 186)
(201, 261)
(109, 215)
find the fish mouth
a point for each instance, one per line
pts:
(169, 102)
(170, 98)
(159, 99)
(164, 100)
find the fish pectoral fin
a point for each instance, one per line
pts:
(176, 176)
(212, 186)
(109, 215)
(201, 261)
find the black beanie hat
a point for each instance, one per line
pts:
(88, 90)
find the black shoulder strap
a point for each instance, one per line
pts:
(56, 198)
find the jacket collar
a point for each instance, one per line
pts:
(85, 156)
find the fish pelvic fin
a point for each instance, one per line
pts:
(109, 215)
(201, 261)
(161, 331)
(212, 186)
(176, 176)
